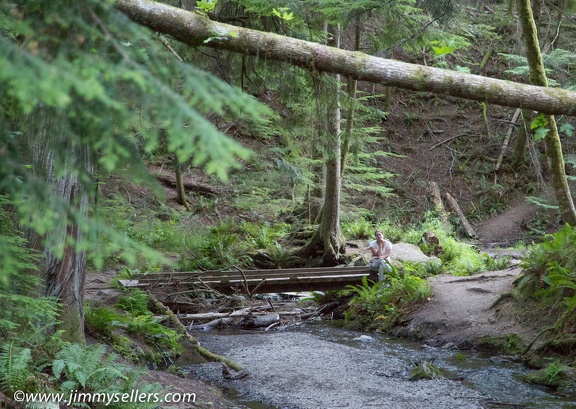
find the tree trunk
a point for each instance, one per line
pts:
(63, 265)
(196, 30)
(351, 89)
(180, 190)
(520, 147)
(66, 275)
(468, 229)
(328, 239)
(552, 139)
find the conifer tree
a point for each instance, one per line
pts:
(83, 92)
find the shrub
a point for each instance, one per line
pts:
(358, 229)
(549, 276)
(555, 375)
(380, 305)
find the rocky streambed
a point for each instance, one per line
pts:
(315, 365)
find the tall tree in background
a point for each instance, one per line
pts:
(84, 90)
(328, 238)
(552, 138)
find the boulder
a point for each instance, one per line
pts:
(402, 252)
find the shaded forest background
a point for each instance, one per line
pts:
(402, 140)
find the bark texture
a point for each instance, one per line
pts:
(63, 266)
(196, 30)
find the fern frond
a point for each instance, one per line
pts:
(15, 371)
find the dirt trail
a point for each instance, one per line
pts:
(507, 228)
(463, 309)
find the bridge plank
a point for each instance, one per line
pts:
(277, 280)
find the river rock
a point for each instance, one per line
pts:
(252, 321)
(364, 338)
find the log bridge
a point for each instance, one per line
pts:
(256, 281)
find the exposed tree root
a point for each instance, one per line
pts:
(531, 344)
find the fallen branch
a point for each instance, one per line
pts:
(180, 328)
(236, 314)
(212, 324)
(438, 204)
(252, 321)
(445, 141)
(465, 224)
(507, 138)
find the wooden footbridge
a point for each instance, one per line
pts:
(256, 281)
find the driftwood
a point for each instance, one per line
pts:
(236, 314)
(218, 322)
(233, 375)
(248, 321)
(170, 180)
(470, 232)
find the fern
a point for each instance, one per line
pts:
(135, 301)
(15, 369)
(90, 368)
(379, 305)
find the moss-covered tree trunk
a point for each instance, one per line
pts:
(520, 147)
(552, 139)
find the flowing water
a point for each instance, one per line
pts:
(322, 366)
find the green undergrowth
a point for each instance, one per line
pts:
(227, 243)
(231, 242)
(555, 375)
(454, 256)
(425, 370)
(132, 330)
(379, 305)
(34, 358)
(549, 279)
(509, 344)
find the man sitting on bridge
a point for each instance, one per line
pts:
(380, 260)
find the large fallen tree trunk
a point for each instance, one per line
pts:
(196, 30)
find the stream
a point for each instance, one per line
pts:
(319, 365)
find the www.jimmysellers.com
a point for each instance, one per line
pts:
(77, 397)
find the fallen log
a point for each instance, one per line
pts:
(182, 330)
(235, 314)
(170, 181)
(212, 324)
(438, 204)
(470, 232)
